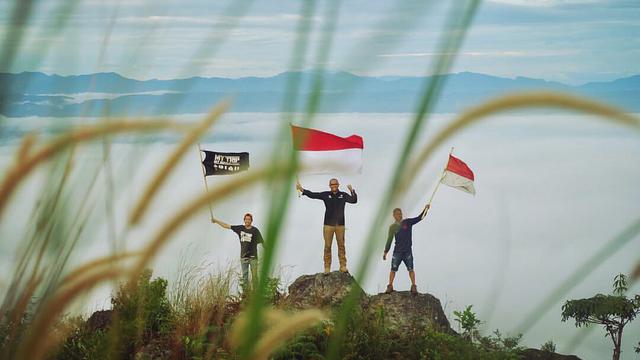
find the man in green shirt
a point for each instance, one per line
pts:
(401, 229)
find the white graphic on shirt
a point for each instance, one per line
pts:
(245, 237)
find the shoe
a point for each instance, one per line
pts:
(414, 289)
(389, 289)
(344, 270)
(327, 271)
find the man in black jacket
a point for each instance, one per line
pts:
(334, 201)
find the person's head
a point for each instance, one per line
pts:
(248, 219)
(334, 184)
(397, 214)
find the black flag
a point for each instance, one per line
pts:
(218, 163)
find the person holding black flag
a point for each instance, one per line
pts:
(249, 237)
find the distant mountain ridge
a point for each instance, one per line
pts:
(39, 94)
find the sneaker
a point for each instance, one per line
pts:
(344, 270)
(389, 289)
(327, 271)
(414, 289)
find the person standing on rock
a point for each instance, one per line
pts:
(334, 201)
(402, 229)
(250, 237)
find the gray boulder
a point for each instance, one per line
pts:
(322, 290)
(404, 312)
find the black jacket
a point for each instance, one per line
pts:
(334, 204)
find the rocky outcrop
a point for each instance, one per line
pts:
(99, 320)
(322, 290)
(402, 311)
(405, 312)
(535, 354)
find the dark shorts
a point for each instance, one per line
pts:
(406, 257)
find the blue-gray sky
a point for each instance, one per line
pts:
(573, 41)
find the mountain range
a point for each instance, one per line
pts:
(39, 94)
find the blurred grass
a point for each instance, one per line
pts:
(44, 284)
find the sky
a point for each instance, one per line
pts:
(573, 41)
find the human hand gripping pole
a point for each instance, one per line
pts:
(426, 208)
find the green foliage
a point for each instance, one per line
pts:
(637, 348)
(496, 342)
(468, 321)
(308, 345)
(141, 310)
(442, 346)
(613, 312)
(620, 285)
(83, 344)
(549, 346)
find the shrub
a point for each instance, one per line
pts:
(140, 311)
(549, 346)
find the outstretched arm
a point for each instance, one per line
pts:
(221, 223)
(310, 194)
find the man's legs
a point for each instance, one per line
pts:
(244, 263)
(395, 263)
(254, 273)
(342, 254)
(327, 232)
(408, 262)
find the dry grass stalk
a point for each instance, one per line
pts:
(223, 191)
(285, 326)
(39, 340)
(19, 171)
(514, 102)
(91, 266)
(25, 147)
(161, 175)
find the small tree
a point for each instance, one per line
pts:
(611, 311)
(468, 321)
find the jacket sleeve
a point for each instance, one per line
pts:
(312, 195)
(387, 246)
(415, 220)
(352, 198)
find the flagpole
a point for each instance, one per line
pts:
(204, 178)
(424, 211)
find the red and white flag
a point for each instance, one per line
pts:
(458, 175)
(324, 153)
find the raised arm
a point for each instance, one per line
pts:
(310, 194)
(221, 223)
(422, 215)
(353, 197)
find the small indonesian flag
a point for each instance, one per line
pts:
(324, 153)
(458, 175)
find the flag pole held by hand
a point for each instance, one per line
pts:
(424, 212)
(204, 178)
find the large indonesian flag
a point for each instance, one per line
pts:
(458, 175)
(324, 153)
